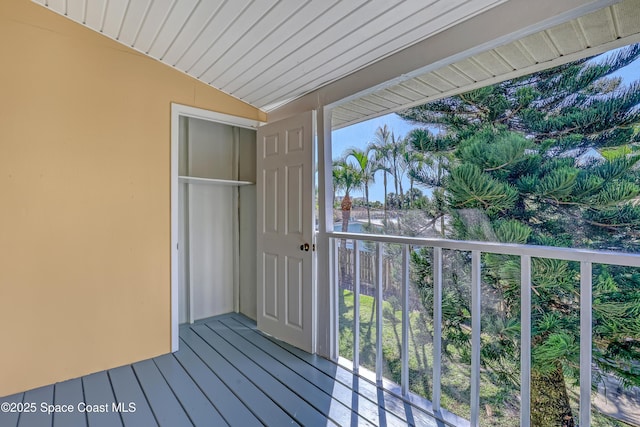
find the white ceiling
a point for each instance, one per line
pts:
(278, 54)
(267, 52)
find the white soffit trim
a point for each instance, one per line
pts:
(213, 116)
(496, 27)
(597, 32)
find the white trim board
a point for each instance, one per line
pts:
(178, 110)
(211, 181)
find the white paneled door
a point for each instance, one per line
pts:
(285, 230)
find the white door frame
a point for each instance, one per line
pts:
(326, 299)
(177, 111)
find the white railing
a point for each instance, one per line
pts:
(526, 253)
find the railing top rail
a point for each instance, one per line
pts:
(568, 254)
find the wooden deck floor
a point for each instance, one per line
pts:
(226, 373)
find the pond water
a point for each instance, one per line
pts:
(354, 227)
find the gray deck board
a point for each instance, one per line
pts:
(366, 408)
(228, 404)
(298, 408)
(10, 418)
(127, 390)
(323, 401)
(252, 396)
(166, 408)
(386, 401)
(200, 410)
(69, 393)
(226, 373)
(37, 418)
(97, 391)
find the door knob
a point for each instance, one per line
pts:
(304, 247)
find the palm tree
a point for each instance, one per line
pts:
(347, 178)
(381, 146)
(415, 163)
(366, 166)
(397, 150)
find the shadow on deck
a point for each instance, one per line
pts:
(225, 373)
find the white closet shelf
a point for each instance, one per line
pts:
(211, 181)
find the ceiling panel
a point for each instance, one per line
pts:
(193, 28)
(393, 96)
(172, 24)
(221, 19)
(434, 80)
(539, 47)
(113, 16)
(599, 28)
(75, 10)
(406, 92)
(343, 115)
(627, 16)
(380, 101)
(476, 69)
(270, 46)
(453, 76)
(295, 39)
(133, 20)
(515, 55)
(277, 18)
(248, 18)
(335, 38)
(492, 63)
(94, 14)
(57, 4)
(567, 38)
(357, 107)
(367, 104)
(267, 52)
(421, 87)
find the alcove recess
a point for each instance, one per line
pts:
(217, 224)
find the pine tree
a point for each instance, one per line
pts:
(552, 159)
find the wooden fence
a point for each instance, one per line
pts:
(346, 256)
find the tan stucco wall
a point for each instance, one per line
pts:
(84, 197)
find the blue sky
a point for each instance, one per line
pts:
(361, 134)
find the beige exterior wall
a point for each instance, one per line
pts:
(84, 197)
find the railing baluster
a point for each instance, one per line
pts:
(405, 321)
(525, 341)
(334, 304)
(475, 337)
(437, 326)
(356, 306)
(375, 266)
(585, 341)
(378, 313)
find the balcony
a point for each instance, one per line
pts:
(225, 373)
(399, 334)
